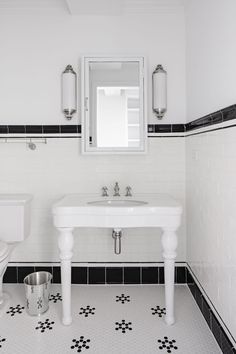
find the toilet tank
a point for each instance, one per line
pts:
(14, 217)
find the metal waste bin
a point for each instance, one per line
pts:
(37, 287)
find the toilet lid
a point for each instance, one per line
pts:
(3, 248)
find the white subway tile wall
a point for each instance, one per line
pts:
(211, 217)
(58, 168)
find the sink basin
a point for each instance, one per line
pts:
(117, 203)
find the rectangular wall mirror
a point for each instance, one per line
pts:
(113, 105)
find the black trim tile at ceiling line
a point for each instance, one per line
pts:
(178, 128)
(3, 129)
(162, 128)
(96, 275)
(229, 113)
(206, 312)
(69, 129)
(79, 275)
(34, 129)
(217, 117)
(150, 275)
(16, 129)
(132, 275)
(51, 129)
(114, 275)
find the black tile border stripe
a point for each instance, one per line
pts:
(210, 120)
(130, 275)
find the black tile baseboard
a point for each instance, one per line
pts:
(212, 321)
(130, 275)
(99, 274)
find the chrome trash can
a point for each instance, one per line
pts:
(37, 289)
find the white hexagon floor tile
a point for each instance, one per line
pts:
(106, 320)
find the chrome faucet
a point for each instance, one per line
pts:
(128, 192)
(104, 191)
(116, 190)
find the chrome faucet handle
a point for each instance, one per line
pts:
(104, 191)
(128, 191)
(116, 190)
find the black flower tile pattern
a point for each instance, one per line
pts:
(123, 326)
(2, 340)
(158, 311)
(88, 310)
(14, 310)
(122, 298)
(55, 298)
(43, 326)
(80, 344)
(167, 345)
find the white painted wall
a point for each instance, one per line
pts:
(36, 47)
(210, 162)
(58, 168)
(211, 56)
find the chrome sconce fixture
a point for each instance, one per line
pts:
(159, 91)
(69, 95)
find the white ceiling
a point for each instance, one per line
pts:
(95, 7)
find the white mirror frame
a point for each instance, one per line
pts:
(86, 148)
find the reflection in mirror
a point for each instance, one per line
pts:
(113, 112)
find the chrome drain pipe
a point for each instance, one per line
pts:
(116, 234)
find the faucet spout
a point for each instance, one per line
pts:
(116, 190)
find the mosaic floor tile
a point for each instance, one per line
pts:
(114, 319)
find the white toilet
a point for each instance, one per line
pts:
(14, 228)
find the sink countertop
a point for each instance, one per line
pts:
(78, 203)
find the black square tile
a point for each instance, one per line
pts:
(97, 275)
(132, 275)
(206, 312)
(161, 275)
(23, 272)
(150, 275)
(180, 275)
(16, 129)
(226, 345)
(44, 269)
(10, 275)
(198, 298)
(114, 275)
(3, 129)
(79, 275)
(216, 329)
(190, 279)
(56, 272)
(34, 129)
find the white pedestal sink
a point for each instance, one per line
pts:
(78, 210)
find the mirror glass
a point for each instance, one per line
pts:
(113, 112)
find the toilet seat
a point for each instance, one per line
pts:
(3, 250)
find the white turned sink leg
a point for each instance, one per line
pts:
(169, 244)
(65, 244)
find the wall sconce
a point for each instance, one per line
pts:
(69, 96)
(159, 91)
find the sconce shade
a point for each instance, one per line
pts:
(69, 96)
(159, 91)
